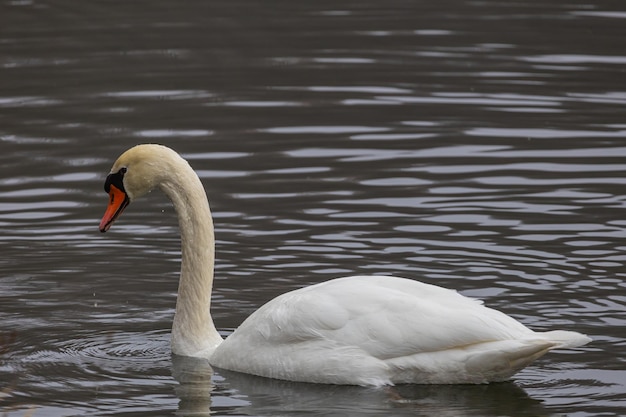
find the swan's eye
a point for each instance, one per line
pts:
(115, 179)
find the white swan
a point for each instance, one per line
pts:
(360, 330)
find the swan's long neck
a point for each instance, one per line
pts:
(193, 331)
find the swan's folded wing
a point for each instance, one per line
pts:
(389, 317)
(385, 317)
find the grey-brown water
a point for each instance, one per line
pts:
(475, 145)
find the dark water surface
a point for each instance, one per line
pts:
(478, 145)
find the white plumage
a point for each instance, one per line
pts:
(380, 330)
(360, 330)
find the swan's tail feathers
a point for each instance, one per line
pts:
(565, 339)
(498, 361)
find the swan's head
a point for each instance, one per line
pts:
(135, 173)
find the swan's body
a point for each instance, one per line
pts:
(361, 330)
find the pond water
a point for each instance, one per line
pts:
(476, 145)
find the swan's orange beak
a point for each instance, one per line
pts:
(118, 200)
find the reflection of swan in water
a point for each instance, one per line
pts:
(237, 393)
(362, 330)
(195, 379)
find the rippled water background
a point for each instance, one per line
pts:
(478, 145)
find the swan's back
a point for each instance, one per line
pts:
(377, 330)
